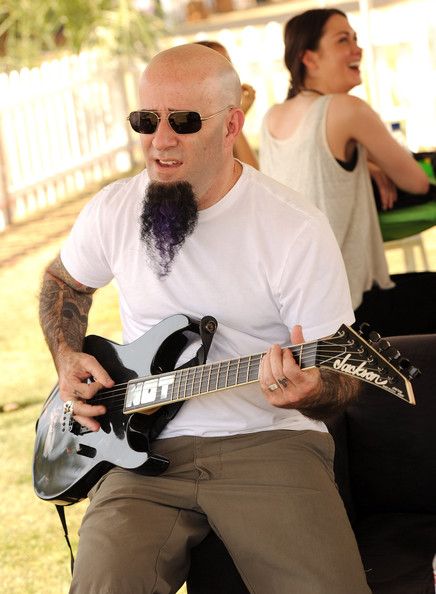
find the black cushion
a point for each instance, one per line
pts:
(397, 552)
(392, 445)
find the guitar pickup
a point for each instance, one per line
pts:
(85, 450)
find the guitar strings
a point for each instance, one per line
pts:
(215, 370)
(119, 403)
(211, 373)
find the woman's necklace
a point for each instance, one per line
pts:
(311, 91)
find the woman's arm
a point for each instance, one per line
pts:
(243, 151)
(241, 148)
(350, 119)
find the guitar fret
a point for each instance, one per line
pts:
(180, 386)
(208, 378)
(215, 369)
(221, 380)
(238, 367)
(242, 371)
(248, 368)
(189, 382)
(193, 384)
(183, 379)
(232, 374)
(187, 391)
(199, 373)
(255, 366)
(204, 381)
(173, 394)
(226, 382)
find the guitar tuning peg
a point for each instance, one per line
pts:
(364, 329)
(383, 345)
(374, 336)
(410, 370)
(392, 354)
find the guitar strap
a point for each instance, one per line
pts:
(206, 328)
(61, 512)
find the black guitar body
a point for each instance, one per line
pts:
(69, 459)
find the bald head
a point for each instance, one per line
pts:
(194, 67)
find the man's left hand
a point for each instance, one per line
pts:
(282, 381)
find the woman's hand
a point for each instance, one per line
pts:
(386, 187)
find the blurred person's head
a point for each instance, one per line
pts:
(248, 93)
(321, 52)
(215, 45)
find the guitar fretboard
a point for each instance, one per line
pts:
(204, 379)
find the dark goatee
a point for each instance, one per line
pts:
(169, 215)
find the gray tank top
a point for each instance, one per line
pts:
(305, 163)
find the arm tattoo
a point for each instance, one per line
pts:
(63, 309)
(338, 391)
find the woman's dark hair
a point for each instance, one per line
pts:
(302, 33)
(215, 45)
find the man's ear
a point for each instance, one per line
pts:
(235, 123)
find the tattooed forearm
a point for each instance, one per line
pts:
(63, 309)
(338, 391)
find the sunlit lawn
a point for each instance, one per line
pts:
(34, 556)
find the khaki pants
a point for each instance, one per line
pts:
(270, 496)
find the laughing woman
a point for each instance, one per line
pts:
(323, 142)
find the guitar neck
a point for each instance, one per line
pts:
(167, 388)
(345, 352)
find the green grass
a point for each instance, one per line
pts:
(34, 555)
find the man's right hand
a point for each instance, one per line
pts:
(80, 377)
(63, 312)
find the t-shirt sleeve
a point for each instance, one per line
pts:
(315, 291)
(84, 253)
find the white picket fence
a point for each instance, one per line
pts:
(62, 127)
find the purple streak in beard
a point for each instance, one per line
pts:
(168, 217)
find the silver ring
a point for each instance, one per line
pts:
(283, 382)
(272, 387)
(68, 407)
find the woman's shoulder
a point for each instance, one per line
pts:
(282, 119)
(347, 106)
(276, 112)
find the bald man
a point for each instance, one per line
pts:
(198, 233)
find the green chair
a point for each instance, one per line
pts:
(402, 228)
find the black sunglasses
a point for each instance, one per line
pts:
(182, 122)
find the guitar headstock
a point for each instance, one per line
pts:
(369, 357)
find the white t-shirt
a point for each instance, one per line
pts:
(260, 261)
(305, 163)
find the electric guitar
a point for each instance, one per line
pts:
(69, 459)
